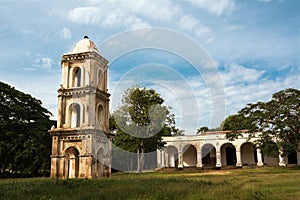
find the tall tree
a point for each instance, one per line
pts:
(278, 120)
(25, 144)
(141, 122)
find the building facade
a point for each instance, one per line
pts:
(213, 150)
(81, 142)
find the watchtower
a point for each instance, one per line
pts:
(81, 142)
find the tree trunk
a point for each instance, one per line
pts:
(140, 157)
(138, 161)
(131, 163)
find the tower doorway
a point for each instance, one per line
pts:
(72, 162)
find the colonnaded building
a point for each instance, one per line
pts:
(81, 142)
(214, 150)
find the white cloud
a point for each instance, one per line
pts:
(233, 27)
(121, 18)
(202, 30)
(155, 9)
(235, 73)
(29, 68)
(244, 85)
(65, 33)
(215, 6)
(158, 10)
(43, 63)
(133, 15)
(114, 18)
(192, 24)
(108, 17)
(128, 14)
(135, 22)
(85, 15)
(210, 39)
(188, 22)
(193, 101)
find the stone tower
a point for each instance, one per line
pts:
(81, 143)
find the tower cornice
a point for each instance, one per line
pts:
(83, 91)
(81, 57)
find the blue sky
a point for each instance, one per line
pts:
(254, 46)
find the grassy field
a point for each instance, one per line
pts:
(257, 183)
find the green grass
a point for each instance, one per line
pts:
(257, 183)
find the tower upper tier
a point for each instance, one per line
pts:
(85, 45)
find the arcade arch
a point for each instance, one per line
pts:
(270, 159)
(173, 156)
(228, 154)
(189, 156)
(248, 154)
(208, 156)
(292, 157)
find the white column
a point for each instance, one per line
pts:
(180, 160)
(167, 159)
(172, 160)
(238, 158)
(259, 158)
(162, 158)
(281, 159)
(158, 158)
(71, 167)
(199, 158)
(219, 163)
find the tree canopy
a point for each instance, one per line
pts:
(278, 120)
(141, 122)
(202, 129)
(25, 144)
(236, 122)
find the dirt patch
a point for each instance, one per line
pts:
(219, 172)
(204, 173)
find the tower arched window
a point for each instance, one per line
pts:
(77, 77)
(100, 115)
(75, 115)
